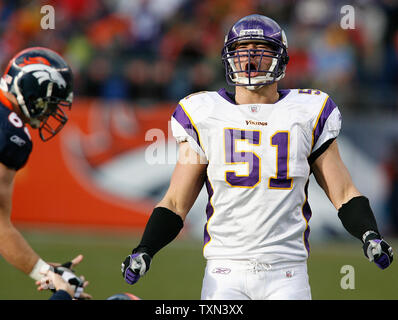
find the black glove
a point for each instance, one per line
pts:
(69, 276)
(377, 250)
(135, 266)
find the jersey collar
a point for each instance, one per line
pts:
(231, 98)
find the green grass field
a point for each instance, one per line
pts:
(177, 270)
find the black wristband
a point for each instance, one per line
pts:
(162, 227)
(357, 217)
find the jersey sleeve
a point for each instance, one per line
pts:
(15, 148)
(327, 125)
(184, 129)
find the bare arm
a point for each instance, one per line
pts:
(333, 176)
(186, 182)
(13, 247)
(167, 218)
(356, 215)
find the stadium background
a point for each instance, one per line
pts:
(91, 189)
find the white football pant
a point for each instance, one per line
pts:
(253, 280)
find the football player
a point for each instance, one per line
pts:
(34, 90)
(255, 150)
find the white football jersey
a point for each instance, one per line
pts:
(258, 169)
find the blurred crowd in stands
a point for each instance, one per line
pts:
(146, 51)
(151, 50)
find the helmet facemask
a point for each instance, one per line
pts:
(53, 118)
(245, 67)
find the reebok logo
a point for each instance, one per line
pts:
(256, 123)
(221, 270)
(18, 141)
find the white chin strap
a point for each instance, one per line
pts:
(19, 96)
(254, 80)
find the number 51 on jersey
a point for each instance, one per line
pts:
(279, 140)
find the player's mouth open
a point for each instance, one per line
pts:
(251, 69)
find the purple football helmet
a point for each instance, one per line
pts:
(244, 67)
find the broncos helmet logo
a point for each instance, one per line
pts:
(34, 60)
(43, 72)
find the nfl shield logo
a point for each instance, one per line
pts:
(254, 108)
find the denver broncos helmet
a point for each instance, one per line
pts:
(259, 29)
(42, 83)
(123, 296)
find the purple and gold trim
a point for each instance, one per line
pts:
(227, 96)
(209, 212)
(307, 213)
(327, 109)
(184, 119)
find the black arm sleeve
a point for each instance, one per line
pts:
(357, 217)
(162, 227)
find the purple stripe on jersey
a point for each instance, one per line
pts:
(209, 210)
(223, 93)
(283, 93)
(307, 216)
(325, 113)
(182, 118)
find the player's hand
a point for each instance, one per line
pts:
(377, 250)
(69, 264)
(66, 280)
(135, 266)
(68, 274)
(77, 283)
